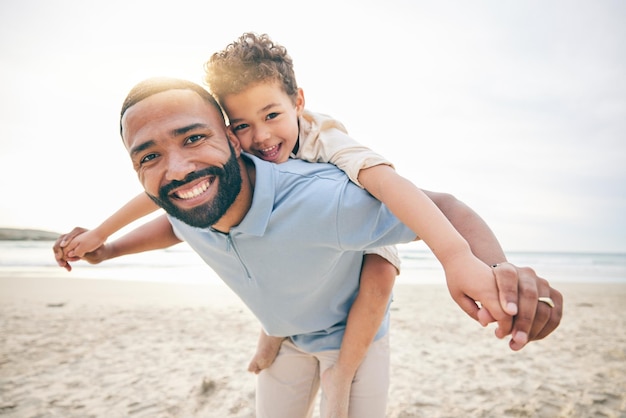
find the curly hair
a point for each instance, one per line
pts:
(249, 60)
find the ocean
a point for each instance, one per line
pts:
(180, 264)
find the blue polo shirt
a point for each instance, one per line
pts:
(295, 259)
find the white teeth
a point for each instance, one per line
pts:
(196, 191)
(266, 150)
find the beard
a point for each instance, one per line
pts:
(208, 214)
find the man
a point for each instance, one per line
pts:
(287, 239)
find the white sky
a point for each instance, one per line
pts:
(517, 108)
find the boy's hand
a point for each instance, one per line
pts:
(471, 281)
(86, 242)
(61, 256)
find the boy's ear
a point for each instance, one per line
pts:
(300, 102)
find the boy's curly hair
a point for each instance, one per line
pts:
(249, 60)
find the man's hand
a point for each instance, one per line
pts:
(534, 320)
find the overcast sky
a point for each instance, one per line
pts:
(517, 108)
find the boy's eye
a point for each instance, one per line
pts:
(272, 116)
(240, 127)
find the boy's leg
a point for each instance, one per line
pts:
(266, 351)
(289, 386)
(364, 319)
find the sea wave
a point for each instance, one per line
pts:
(181, 264)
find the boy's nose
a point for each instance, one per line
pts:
(262, 135)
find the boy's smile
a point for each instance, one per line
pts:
(265, 120)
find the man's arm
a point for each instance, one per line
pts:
(534, 320)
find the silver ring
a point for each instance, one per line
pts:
(547, 300)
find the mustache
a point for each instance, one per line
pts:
(210, 171)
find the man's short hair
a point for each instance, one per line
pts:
(156, 85)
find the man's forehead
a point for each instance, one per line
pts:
(166, 109)
(173, 101)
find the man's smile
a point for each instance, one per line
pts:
(189, 192)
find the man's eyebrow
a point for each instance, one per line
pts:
(141, 147)
(174, 132)
(185, 129)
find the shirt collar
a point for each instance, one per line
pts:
(256, 220)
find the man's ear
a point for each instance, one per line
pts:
(234, 141)
(300, 102)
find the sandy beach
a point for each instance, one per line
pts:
(103, 348)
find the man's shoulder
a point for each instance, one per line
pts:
(295, 166)
(305, 168)
(298, 176)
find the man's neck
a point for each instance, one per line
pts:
(240, 207)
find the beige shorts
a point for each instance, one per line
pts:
(389, 253)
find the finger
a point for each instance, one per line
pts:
(61, 260)
(470, 307)
(484, 317)
(67, 238)
(58, 254)
(64, 262)
(70, 246)
(505, 327)
(56, 247)
(527, 320)
(507, 282)
(544, 311)
(555, 316)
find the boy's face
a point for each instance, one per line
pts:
(265, 120)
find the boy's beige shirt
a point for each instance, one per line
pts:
(323, 139)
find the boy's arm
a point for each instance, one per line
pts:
(404, 199)
(156, 234)
(139, 206)
(534, 320)
(468, 278)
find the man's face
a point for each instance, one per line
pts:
(180, 149)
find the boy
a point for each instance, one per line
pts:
(253, 81)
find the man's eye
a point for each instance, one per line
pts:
(272, 115)
(194, 138)
(240, 127)
(147, 158)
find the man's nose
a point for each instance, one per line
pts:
(179, 166)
